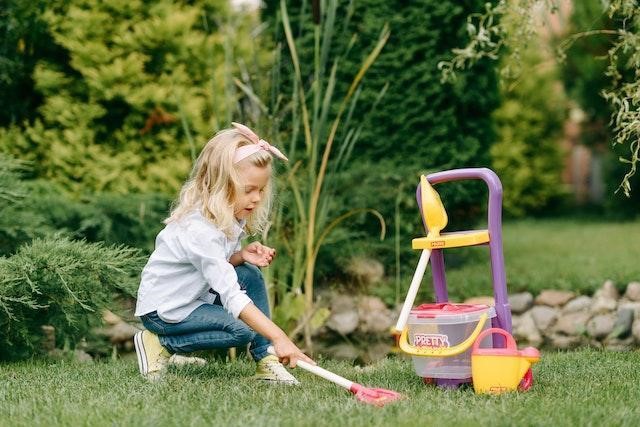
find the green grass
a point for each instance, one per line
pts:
(549, 254)
(586, 387)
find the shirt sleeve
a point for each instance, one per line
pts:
(205, 250)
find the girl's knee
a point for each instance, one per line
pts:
(249, 274)
(242, 334)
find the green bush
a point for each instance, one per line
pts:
(527, 156)
(419, 125)
(17, 225)
(61, 283)
(25, 40)
(37, 209)
(126, 219)
(48, 279)
(135, 84)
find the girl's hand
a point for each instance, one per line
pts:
(288, 353)
(258, 254)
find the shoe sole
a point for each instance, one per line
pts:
(276, 382)
(141, 353)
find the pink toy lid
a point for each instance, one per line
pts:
(446, 309)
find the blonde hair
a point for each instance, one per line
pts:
(214, 183)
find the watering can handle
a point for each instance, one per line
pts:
(510, 342)
(442, 351)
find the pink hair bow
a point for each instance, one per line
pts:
(258, 144)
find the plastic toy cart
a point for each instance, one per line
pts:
(434, 244)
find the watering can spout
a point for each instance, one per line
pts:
(528, 356)
(496, 370)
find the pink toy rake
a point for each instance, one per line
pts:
(372, 396)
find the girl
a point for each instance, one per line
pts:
(200, 290)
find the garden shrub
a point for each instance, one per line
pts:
(25, 41)
(135, 89)
(418, 126)
(527, 155)
(17, 225)
(61, 283)
(128, 219)
(38, 208)
(45, 277)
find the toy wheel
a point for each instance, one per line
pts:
(427, 380)
(527, 381)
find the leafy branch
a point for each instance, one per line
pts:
(510, 25)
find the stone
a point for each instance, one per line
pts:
(520, 302)
(602, 305)
(635, 330)
(82, 356)
(343, 351)
(344, 317)
(622, 327)
(484, 300)
(571, 323)
(634, 306)
(564, 342)
(616, 344)
(343, 323)
(601, 325)
(544, 316)
(580, 303)
(365, 271)
(374, 315)
(110, 318)
(594, 343)
(527, 330)
(376, 352)
(49, 338)
(342, 302)
(608, 290)
(633, 291)
(554, 298)
(57, 353)
(515, 322)
(121, 332)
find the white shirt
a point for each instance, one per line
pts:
(191, 256)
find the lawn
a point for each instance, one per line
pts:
(586, 387)
(549, 254)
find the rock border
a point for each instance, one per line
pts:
(554, 318)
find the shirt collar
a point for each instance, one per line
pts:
(238, 228)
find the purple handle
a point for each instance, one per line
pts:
(494, 225)
(493, 183)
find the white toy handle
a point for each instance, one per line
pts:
(317, 370)
(413, 290)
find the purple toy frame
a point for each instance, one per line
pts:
(494, 221)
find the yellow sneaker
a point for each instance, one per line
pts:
(269, 369)
(152, 356)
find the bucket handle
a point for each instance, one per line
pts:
(510, 342)
(441, 351)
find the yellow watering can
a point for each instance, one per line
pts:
(496, 370)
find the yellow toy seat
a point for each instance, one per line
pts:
(436, 219)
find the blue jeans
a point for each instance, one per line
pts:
(210, 326)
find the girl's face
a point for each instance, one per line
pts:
(253, 180)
